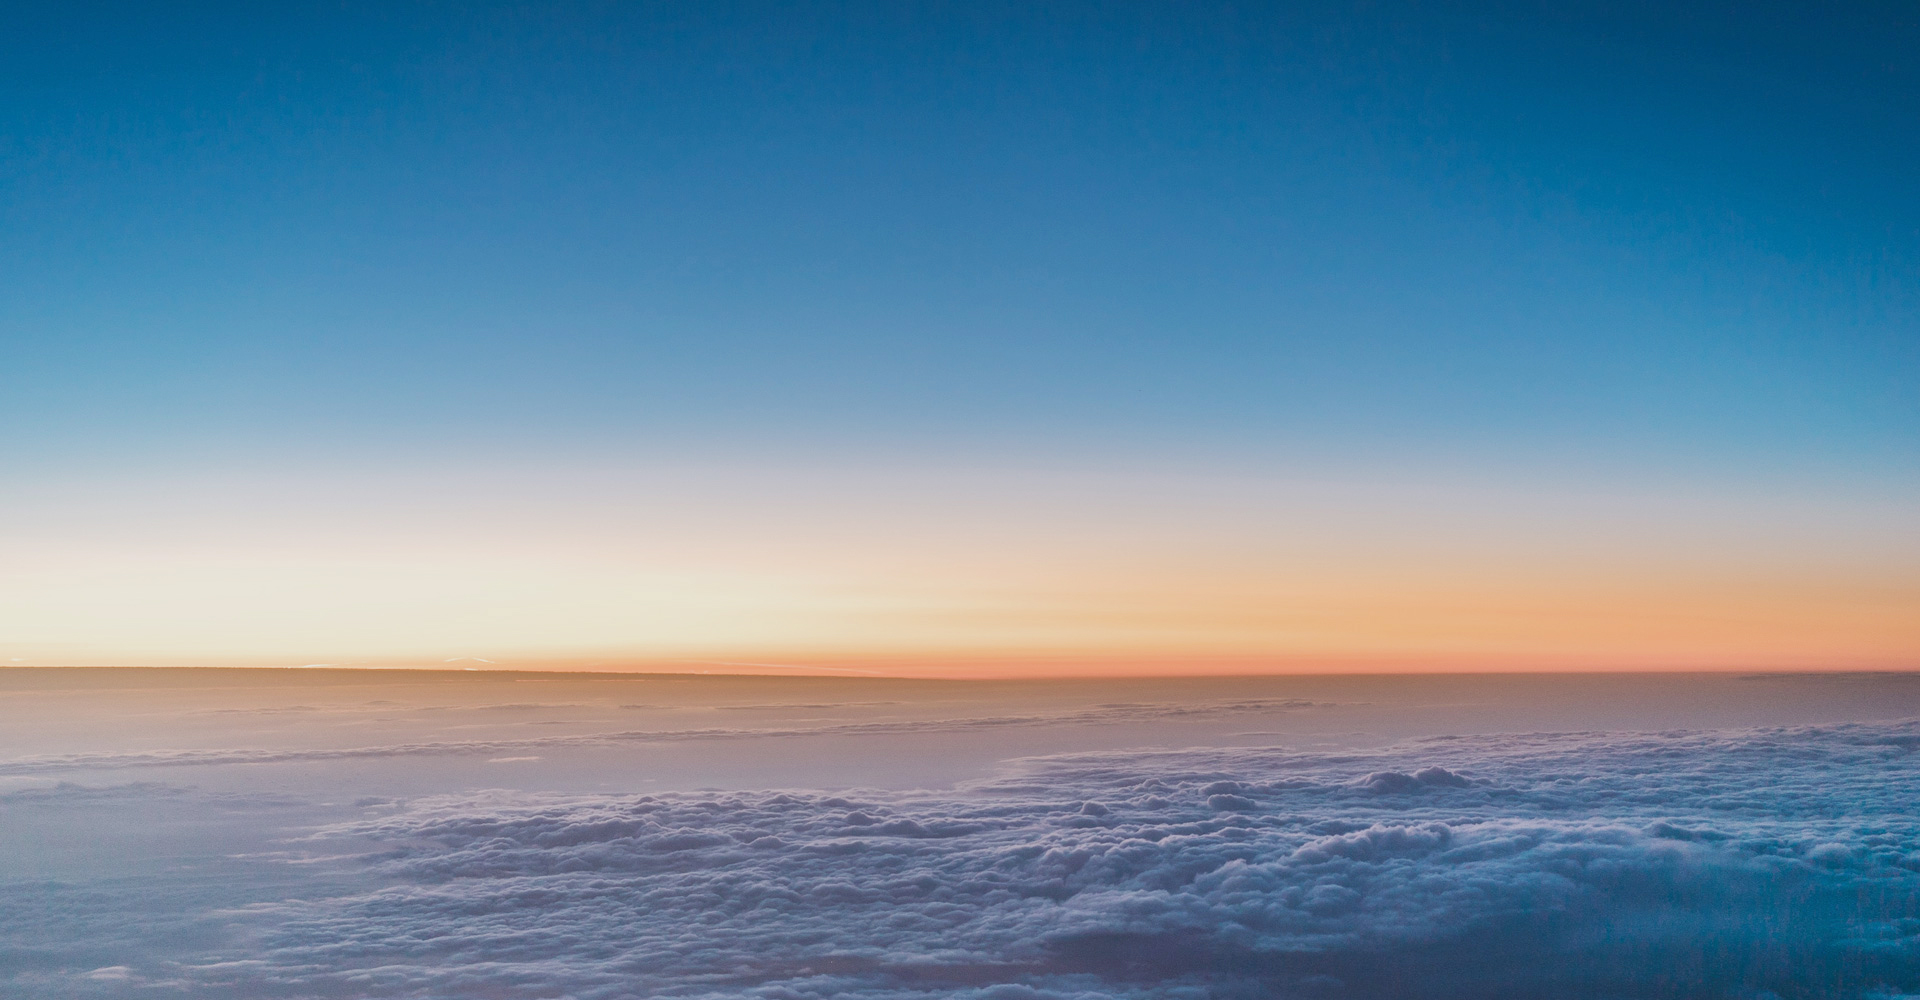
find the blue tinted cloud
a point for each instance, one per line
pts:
(1783, 862)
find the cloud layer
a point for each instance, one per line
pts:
(1780, 863)
(1103, 715)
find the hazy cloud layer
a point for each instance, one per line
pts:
(1115, 714)
(1742, 865)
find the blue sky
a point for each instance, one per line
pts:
(1424, 334)
(1674, 236)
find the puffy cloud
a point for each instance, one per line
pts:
(1737, 865)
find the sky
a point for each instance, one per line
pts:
(961, 338)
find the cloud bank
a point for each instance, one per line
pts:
(1757, 864)
(1104, 715)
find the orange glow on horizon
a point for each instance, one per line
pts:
(962, 575)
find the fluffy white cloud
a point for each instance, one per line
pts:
(1738, 865)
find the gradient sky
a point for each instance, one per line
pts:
(929, 336)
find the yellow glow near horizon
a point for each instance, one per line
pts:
(953, 571)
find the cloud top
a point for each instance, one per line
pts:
(1780, 863)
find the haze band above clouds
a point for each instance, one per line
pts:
(1115, 714)
(1751, 864)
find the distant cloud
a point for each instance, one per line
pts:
(1733, 865)
(1103, 715)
